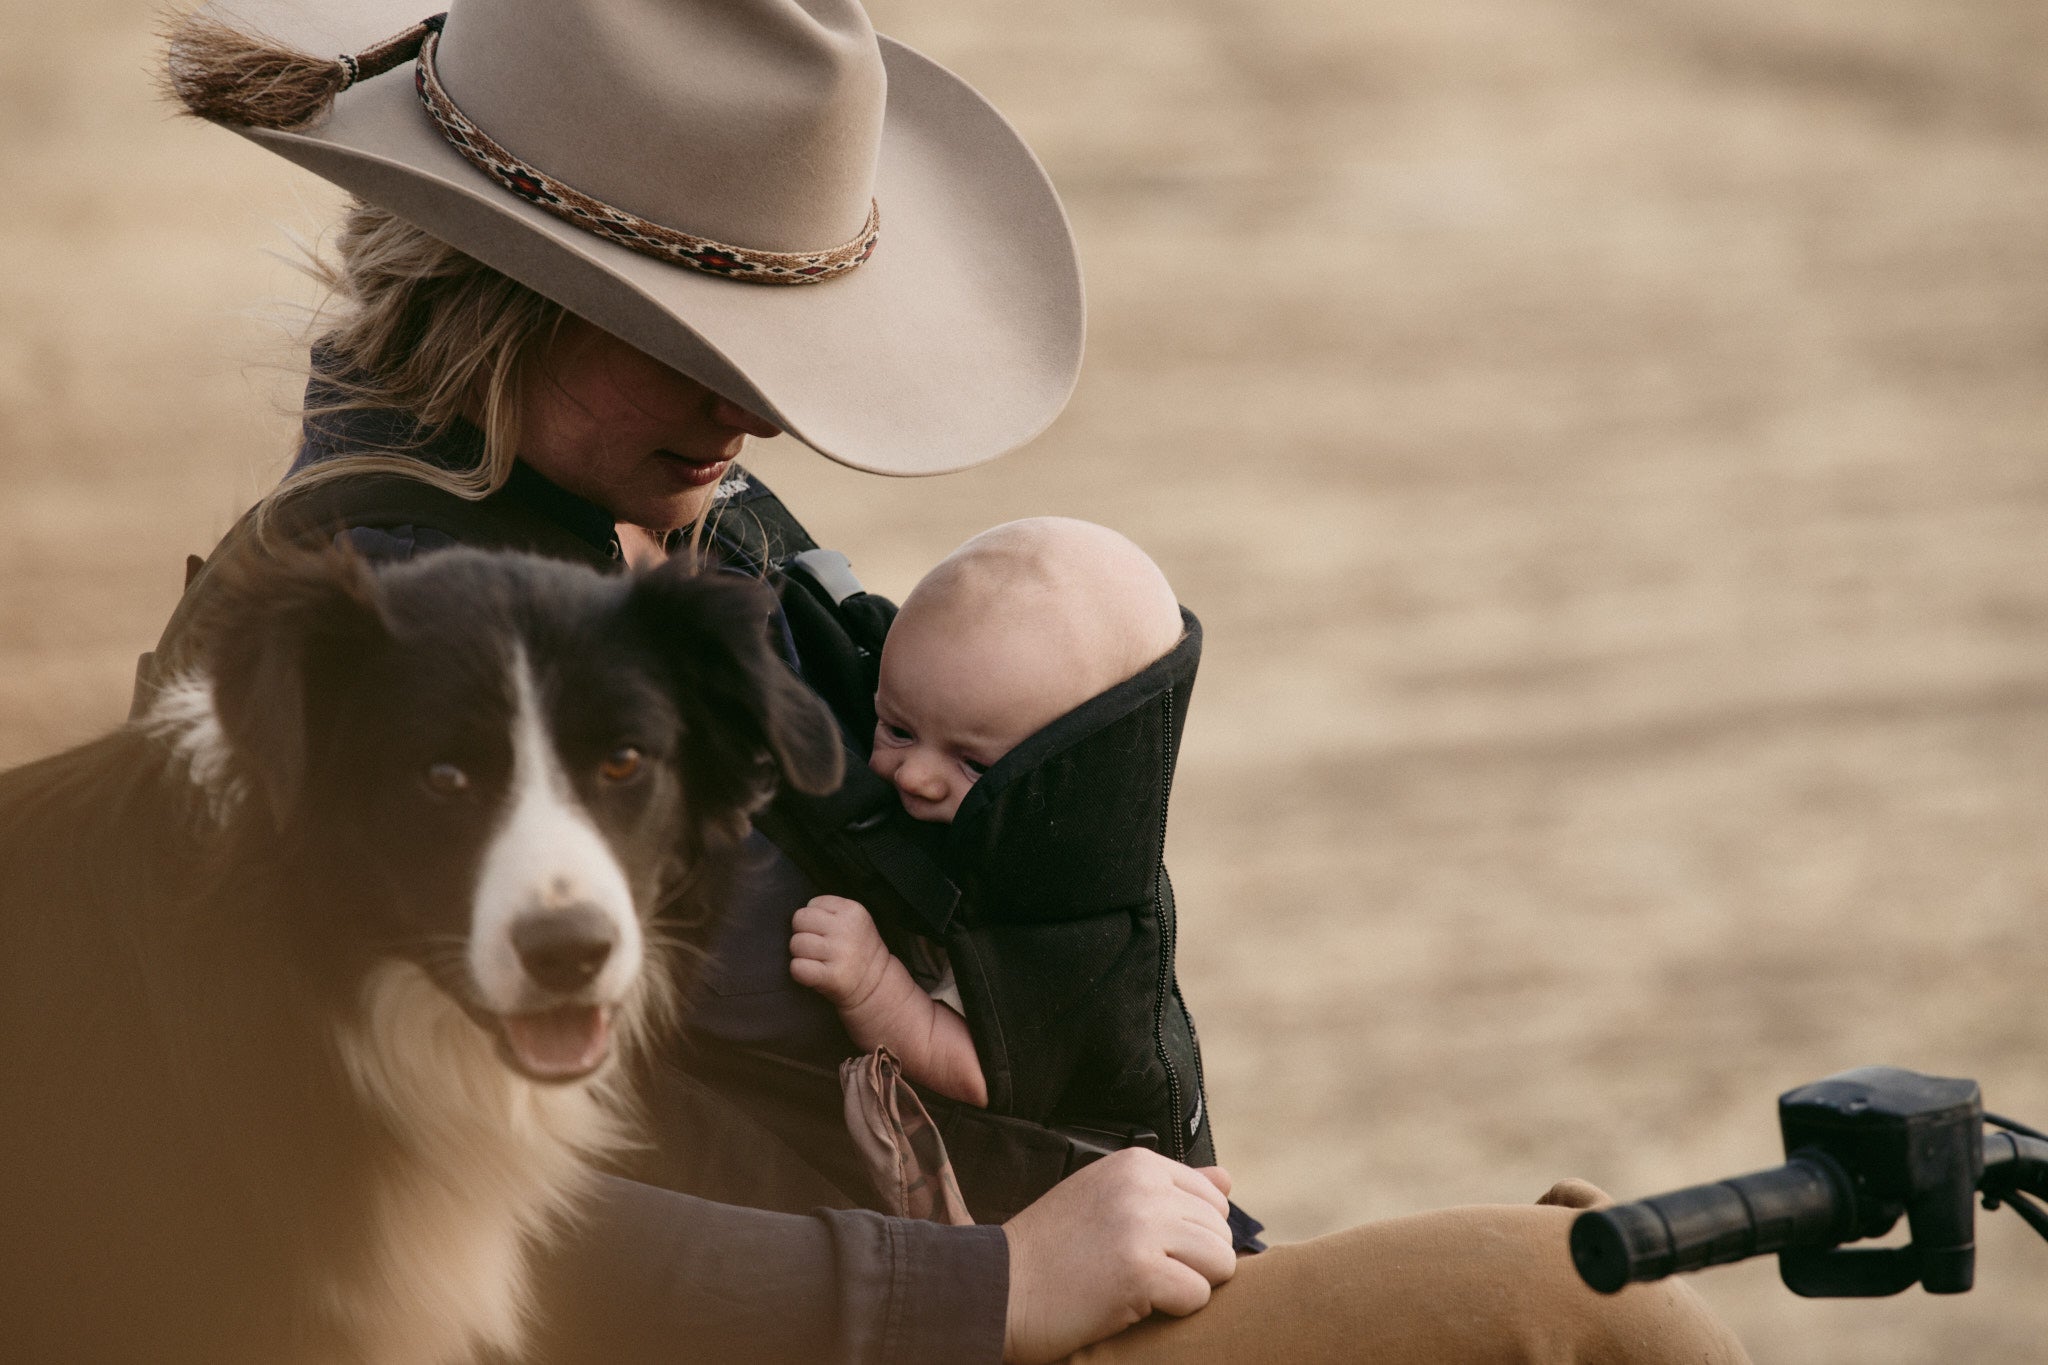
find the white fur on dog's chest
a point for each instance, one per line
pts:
(487, 1161)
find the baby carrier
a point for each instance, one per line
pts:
(1048, 894)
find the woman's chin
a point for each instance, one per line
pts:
(680, 503)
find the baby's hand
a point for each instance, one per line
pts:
(835, 950)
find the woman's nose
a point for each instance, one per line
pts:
(727, 413)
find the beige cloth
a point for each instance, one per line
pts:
(1483, 1285)
(902, 1150)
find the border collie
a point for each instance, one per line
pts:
(315, 980)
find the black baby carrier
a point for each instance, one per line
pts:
(1048, 894)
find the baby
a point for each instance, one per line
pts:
(1010, 632)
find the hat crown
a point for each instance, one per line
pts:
(754, 122)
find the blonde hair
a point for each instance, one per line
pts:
(414, 325)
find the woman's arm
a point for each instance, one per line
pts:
(650, 1277)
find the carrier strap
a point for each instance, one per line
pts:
(838, 626)
(752, 528)
(862, 818)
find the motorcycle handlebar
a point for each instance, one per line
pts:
(2015, 1161)
(1809, 1202)
(1866, 1147)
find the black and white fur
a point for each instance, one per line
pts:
(318, 976)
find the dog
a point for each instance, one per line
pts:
(322, 977)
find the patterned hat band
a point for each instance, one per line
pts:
(572, 206)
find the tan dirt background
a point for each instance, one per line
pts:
(1604, 439)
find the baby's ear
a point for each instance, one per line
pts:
(283, 645)
(743, 707)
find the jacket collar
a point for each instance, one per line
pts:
(459, 445)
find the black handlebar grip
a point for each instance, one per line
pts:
(1807, 1202)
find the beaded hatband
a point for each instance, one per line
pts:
(539, 188)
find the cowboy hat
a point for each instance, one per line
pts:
(644, 163)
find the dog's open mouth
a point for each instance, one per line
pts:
(566, 1043)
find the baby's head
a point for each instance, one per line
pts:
(1010, 632)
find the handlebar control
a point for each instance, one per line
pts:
(1863, 1147)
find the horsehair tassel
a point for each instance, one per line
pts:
(220, 73)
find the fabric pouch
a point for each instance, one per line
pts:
(898, 1143)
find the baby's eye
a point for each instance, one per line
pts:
(895, 734)
(974, 769)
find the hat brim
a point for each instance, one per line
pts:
(958, 340)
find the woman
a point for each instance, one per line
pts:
(599, 245)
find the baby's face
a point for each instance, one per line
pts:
(954, 698)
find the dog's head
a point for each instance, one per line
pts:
(504, 767)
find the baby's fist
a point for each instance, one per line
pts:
(835, 950)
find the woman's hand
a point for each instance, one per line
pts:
(1131, 1235)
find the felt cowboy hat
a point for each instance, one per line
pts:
(822, 225)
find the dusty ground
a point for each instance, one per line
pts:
(1604, 441)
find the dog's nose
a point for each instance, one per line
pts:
(563, 949)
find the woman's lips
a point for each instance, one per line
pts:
(697, 473)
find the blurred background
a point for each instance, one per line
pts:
(1604, 440)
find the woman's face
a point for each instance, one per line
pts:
(619, 428)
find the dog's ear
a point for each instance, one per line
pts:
(280, 647)
(713, 628)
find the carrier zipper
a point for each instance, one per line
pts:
(1194, 1046)
(1168, 932)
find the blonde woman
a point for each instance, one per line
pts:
(597, 245)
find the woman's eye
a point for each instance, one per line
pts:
(445, 779)
(622, 764)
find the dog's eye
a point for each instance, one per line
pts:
(445, 779)
(621, 764)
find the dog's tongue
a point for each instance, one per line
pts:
(559, 1044)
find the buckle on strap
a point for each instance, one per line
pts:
(1086, 1145)
(830, 571)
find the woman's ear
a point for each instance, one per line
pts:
(281, 647)
(713, 628)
